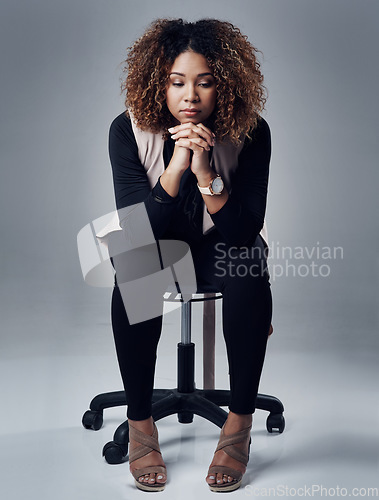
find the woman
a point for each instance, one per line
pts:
(198, 87)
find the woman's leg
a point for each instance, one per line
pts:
(136, 347)
(242, 277)
(247, 311)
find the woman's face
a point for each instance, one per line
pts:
(191, 92)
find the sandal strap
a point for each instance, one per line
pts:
(147, 443)
(226, 443)
(155, 469)
(228, 471)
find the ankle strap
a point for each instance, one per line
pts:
(226, 443)
(147, 443)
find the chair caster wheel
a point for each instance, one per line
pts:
(115, 453)
(92, 420)
(275, 423)
(185, 417)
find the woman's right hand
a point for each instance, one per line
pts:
(170, 179)
(180, 159)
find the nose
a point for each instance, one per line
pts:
(192, 95)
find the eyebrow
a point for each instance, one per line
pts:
(182, 74)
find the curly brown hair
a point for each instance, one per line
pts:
(241, 95)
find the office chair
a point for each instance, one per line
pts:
(185, 400)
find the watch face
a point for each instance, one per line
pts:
(217, 185)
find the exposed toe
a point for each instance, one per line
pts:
(211, 479)
(219, 478)
(161, 478)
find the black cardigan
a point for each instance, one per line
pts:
(239, 221)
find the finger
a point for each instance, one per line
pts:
(182, 126)
(207, 130)
(192, 130)
(195, 144)
(194, 134)
(186, 125)
(201, 142)
(187, 134)
(203, 132)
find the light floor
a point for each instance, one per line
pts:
(54, 359)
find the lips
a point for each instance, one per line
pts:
(190, 112)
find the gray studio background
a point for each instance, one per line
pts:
(60, 71)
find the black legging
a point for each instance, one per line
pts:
(242, 277)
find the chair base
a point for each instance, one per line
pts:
(204, 403)
(185, 401)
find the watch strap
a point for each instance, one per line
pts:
(207, 189)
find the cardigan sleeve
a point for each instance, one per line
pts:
(241, 219)
(130, 181)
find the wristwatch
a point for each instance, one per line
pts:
(216, 186)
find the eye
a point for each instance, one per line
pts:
(177, 84)
(205, 84)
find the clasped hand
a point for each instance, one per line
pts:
(194, 137)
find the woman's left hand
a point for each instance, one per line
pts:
(198, 138)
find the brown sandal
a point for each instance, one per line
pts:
(226, 443)
(148, 444)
